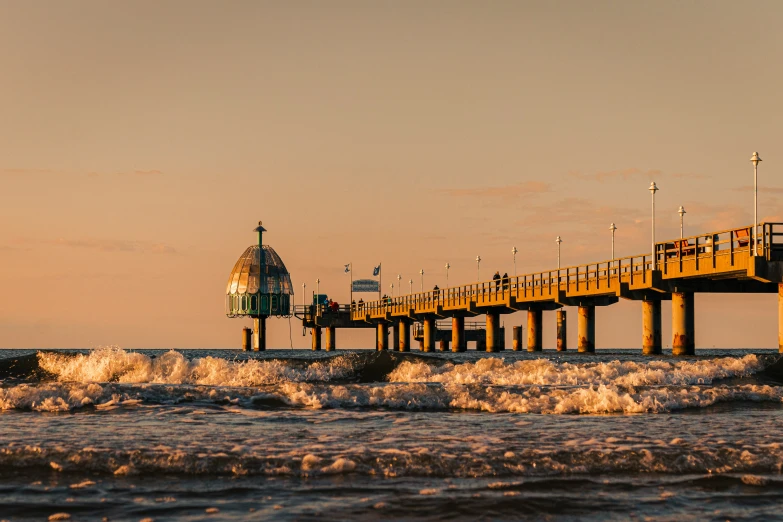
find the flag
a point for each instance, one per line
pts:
(347, 268)
(376, 270)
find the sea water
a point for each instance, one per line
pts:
(350, 435)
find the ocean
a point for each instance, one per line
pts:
(116, 434)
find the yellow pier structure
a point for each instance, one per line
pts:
(727, 261)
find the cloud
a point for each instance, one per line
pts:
(115, 245)
(153, 172)
(507, 191)
(624, 174)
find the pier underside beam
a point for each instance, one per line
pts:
(404, 334)
(382, 342)
(458, 343)
(652, 339)
(535, 332)
(562, 330)
(517, 342)
(316, 332)
(683, 324)
(331, 342)
(429, 334)
(493, 331)
(259, 334)
(586, 329)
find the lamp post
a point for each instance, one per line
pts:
(304, 299)
(478, 268)
(399, 284)
(410, 286)
(681, 212)
(653, 189)
(612, 227)
(558, 241)
(391, 286)
(317, 287)
(447, 274)
(318, 296)
(421, 273)
(755, 160)
(514, 255)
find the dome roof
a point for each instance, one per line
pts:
(244, 278)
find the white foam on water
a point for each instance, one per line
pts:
(112, 363)
(548, 372)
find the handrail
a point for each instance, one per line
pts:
(592, 275)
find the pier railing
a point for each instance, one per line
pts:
(716, 252)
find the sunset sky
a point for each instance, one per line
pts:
(141, 142)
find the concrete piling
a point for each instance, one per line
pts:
(316, 332)
(395, 338)
(404, 335)
(517, 342)
(247, 339)
(535, 332)
(780, 317)
(331, 342)
(493, 331)
(444, 344)
(382, 343)
(586, 329)
(651, 328)
(683, 324)
(458, 343)
(429, 334)
(259, 334)
(562, 342)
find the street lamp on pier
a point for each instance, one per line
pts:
(612, 227)
(410, 286)
(421, 273)
(558, 241)
(682, 213)
(478, 268)
(755, 160)
(653, 189)
(447, 274)
(514, 255)
(304, 299)
(399, 284)
(391, 286)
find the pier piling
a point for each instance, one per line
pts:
(534, 330)
(458, 343)
(247, 339)
(383, 337)
(651, 328)
(562, 330)
(493, 329)
(331, 342)
(683, 324)
(429, 334)
(586, 329)
(516, 344)
(316, 332)
(404, 334)
(259, 334)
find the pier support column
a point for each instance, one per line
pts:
(331, 342)
(259, 334)
(535, 318)
(493, 330)
(247, 339)
(444, 344)
(404, 333)
(683, 326)
(429, 334)
(780, 317)
(316, 331)
(382, 343)
(458, 343)
(562, 330)
(395, 338)
(652, 340)
(516, 344)
(586, 329)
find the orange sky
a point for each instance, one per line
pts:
(141, 142)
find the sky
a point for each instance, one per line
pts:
(141, 142)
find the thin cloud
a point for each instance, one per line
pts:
(507, 191)
(624, 174)
(115, 245)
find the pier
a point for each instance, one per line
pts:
(727, 261)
